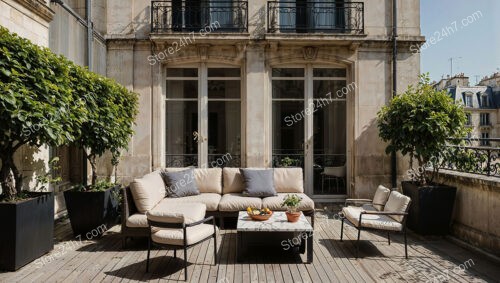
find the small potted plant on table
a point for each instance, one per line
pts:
(291, 202)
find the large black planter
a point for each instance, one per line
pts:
(89, 211)
(431, 208)
(27, 230)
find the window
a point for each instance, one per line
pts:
(485, 135)
(484, 119)
(203, 117)
(484, 100)
(468, 100)
(469, 119)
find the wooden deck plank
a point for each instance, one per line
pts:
(103, 260)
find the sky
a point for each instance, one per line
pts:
(469, 32)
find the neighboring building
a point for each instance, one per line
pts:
(230, 83)
(482, 104)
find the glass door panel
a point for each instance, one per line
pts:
(182, 122)
(288, 134)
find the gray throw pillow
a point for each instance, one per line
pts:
(180, 183)
(258, 182)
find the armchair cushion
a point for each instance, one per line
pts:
(177, 213)
(180, 183)
(258, 182)
(380, 198)
(397, 203)
(381, 222)
(175, 236)
(288, 180)
(147, 191)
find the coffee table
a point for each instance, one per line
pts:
(277, 225)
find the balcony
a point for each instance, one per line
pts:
(315, 17)
(193, 16)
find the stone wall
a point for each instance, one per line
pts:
(476, 211)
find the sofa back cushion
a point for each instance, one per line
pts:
(288, 180)
(148, 191)
(232, 180)
(380, 198)
(208, 180)
(397, 202)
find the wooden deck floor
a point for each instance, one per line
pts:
(104, 260)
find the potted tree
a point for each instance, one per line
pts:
(419, 123)
(37, 109)
(291, 202)
(111, 113)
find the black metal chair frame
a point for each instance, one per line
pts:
(185, 246)
(359, 227)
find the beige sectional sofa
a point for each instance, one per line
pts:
(220, 191)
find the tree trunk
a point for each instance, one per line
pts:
(92, 160)
(7, 179)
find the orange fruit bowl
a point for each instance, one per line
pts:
(260, 214)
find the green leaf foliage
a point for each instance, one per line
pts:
(419, 122)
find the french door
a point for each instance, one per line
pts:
(203, 116)
(309, 125)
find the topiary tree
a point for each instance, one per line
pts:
(112, 111)
(419, 123)
(37, 104)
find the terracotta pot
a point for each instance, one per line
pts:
(293, 216)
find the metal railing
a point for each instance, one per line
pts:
(207, 16)
(315, 17)
(470, 158)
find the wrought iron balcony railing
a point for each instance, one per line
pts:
(315, 17)
(199, 16)
(483, 160)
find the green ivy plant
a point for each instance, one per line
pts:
(37, 104)
(419, 123)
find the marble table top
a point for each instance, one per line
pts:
(277, 223)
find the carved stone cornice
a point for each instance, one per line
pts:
(38, 7)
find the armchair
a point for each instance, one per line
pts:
(391, 219)
(180, 228)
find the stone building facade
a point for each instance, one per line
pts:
(257, 84)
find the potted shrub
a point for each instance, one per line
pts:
(419, 123)
(108, 128)
(291, 202)
(37, 108)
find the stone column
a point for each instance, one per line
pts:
(255, 101)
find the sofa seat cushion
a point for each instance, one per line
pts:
(177, 212)
(238, 202)
(373, 221)
(274, 203)
(137, 220)
(288, 180)
(175, 236)
(147, 191)
(232, 180)
(211, 201)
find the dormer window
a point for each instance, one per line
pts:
(468, 100)
(484, 100)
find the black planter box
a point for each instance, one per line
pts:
(431, 208)
(89, 211)
(27, 230)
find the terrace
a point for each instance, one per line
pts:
(104, 260)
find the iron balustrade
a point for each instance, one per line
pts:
(204, 16)
(315, 17)
(468, 158)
